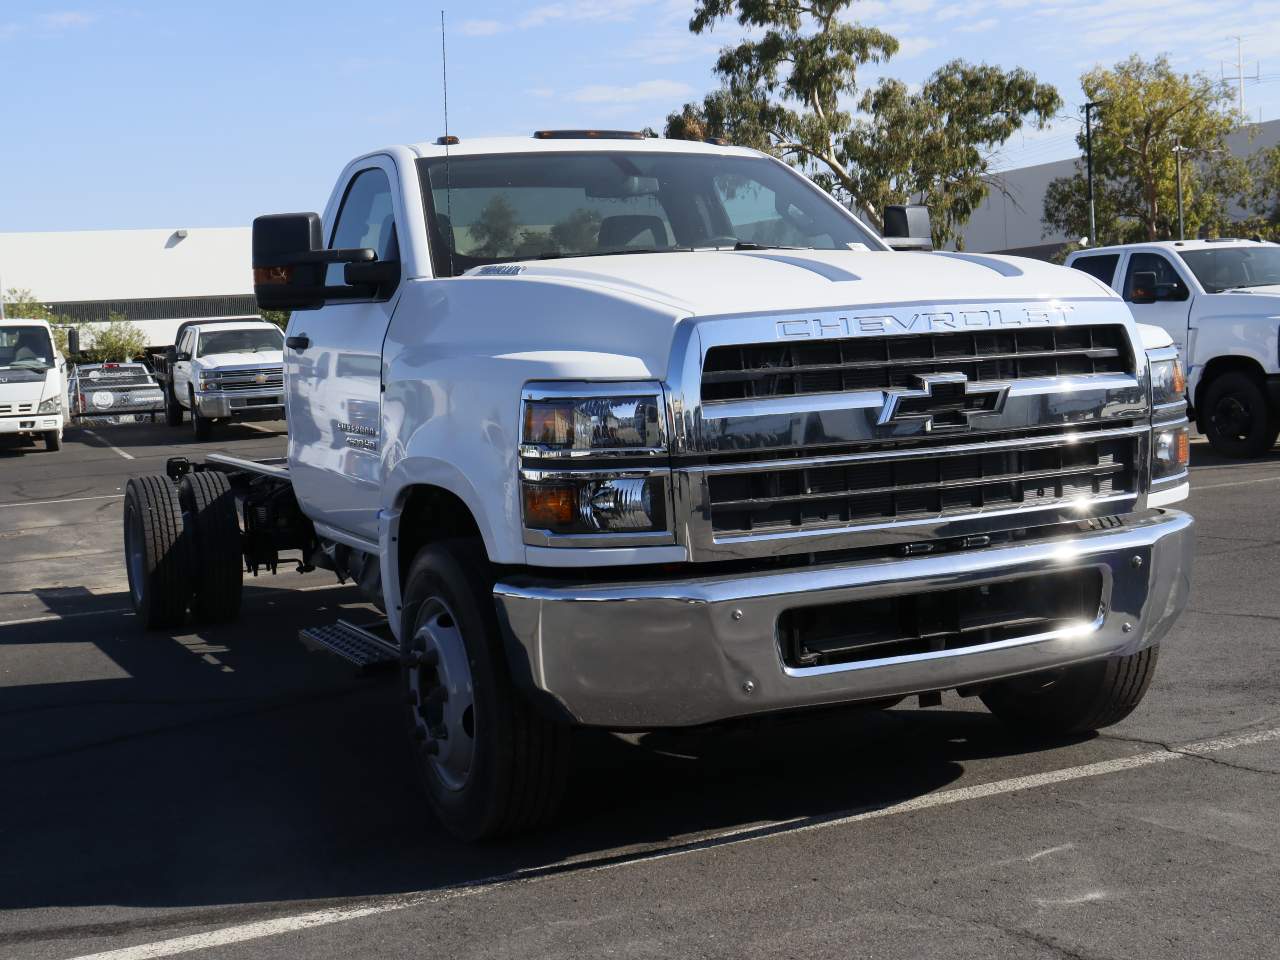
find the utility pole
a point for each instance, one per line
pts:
(1088, 159)
(1178, 151)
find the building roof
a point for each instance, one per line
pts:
(99, 265)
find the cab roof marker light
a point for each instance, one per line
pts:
(448, 140)
(589, 135)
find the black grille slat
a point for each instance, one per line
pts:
(874, 363)
(777, 498)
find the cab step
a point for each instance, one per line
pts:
(367, 647)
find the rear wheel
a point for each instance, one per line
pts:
(201, 425)
(1076, 699)
(490, 764)
(172, 409)
(53, 439)
(1238, 418)
(209, 507)
(157, 552)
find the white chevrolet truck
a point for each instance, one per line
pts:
(33, 382)
(222, 370)
(630, 433)
(1219, 300)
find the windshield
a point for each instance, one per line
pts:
(25, 348)
(1231, 268)
(491, 209)
(239, 341)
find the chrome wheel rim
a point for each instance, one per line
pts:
(441, 695)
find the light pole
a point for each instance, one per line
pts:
(1088, 159)
(1178, 151)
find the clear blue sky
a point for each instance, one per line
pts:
(172, 114)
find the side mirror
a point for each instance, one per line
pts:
(73, 341)
(181, 355)
(1171, 291)
(1142, 289)
(907, 227)
(289, 261)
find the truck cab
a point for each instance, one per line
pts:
(33, 382)
(1219, 301)
(630, 433)
(223, 370)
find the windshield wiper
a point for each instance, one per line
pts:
(752, 245)
(610, 253)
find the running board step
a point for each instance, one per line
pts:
(367, 647)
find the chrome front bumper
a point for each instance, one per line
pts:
(684, 652)
(217, 404)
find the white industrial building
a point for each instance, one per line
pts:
(155, 278)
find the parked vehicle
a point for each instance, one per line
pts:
(222, 370)
(633, 433)
(1220, 302)
(114, 390)
(33, 382)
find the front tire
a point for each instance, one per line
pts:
(1238, 418)
(157, 552)
(209, 507)
(202, 426)
(172, 409)
(53, 440)
(490, 764)
(1074, 700)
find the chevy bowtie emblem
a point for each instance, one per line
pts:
(260, 378)
(944, 401)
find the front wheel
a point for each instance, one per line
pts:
(201, 425)
(53, 439)
(489, 763)
(172, 409)
(1238, 418)
(1072, 700)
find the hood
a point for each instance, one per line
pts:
(717, 283)
(1270, 290)
(242, 361)
(21, 388)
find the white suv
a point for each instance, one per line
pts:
(226, 371)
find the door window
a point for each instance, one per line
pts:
(1153, 263)
(365, 219)
(1102, 266)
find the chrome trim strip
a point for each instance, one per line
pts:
(564, 541)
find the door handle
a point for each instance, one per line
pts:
(299, 342)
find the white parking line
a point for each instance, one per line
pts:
(45, 503)
(1233, 483)
(65, 616)
(319, 918)
(127, 456)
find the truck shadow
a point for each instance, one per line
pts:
(159, 434)
(217, 766)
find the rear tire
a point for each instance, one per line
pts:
(209, 506)
(157, 552)
(497, 766)
(1073, 700)
(1238, 418)
(201, 425)
(172, 409)
(53, 440)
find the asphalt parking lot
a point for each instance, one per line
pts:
(225, 793)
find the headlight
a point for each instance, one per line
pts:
(622, 504)
(1170, 452)
(1168, 385)
(584, 425)
(52, 405)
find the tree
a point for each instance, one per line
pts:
(1144, 110)
(1264, 194)
(20, 304)
(279, 317)
(116, 341)
(788, 91)
(495, 230)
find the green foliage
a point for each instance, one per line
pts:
(279, 317)
(116, 341)
(578, 231)
(1145, 110)
(1264, 195)
(21, 304)
(782, 91)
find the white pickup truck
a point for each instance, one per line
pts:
(631, 433)
(219, 370)
(1220, 302)
(33, 382)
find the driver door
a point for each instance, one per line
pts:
(334, 367)
(181, 371)
(1171, 314)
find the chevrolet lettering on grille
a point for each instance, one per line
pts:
(943, 401)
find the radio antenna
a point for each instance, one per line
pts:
(448, 179)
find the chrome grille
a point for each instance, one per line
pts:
(752, 371)
(885, 489)
(248, 380)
